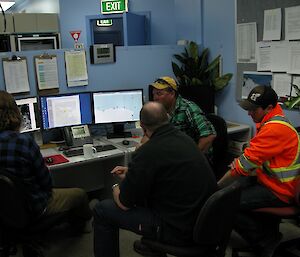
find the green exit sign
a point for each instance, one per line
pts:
(114, 6)
(104, 23)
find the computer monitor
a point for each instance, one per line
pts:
(66, 110)
(117, 107)
(29, 110)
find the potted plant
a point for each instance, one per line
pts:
(197, 79)
(294, 101)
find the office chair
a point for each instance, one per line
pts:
(220, 158)
(16, 224)
(212, 229)
(289, 248)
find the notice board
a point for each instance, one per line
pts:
(248, 11)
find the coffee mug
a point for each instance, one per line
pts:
(89, 151)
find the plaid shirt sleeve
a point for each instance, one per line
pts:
(189, 118)
(41, 172)
(199, 121)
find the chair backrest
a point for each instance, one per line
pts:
(215, 221)
(14, 210)
(220, 145)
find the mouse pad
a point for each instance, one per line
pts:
(57, 159)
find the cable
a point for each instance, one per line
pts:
(3, 13)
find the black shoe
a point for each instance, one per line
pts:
(144, 250)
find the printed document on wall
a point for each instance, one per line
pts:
(246, 42)
(279, 56)
(264, 56)
(46, 71)
(294, 58)
(76, 68)
(272, 24)
(16, 75)
(292, 23)
(282, 84)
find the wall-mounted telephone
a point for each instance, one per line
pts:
(77, 135)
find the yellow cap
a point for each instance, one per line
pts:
(165, 82)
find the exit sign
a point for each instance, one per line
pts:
(114, 6)
(104, 23)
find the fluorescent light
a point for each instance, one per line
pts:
(6, 5)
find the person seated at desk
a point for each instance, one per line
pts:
(184, 115)
(21, 156)
(273, 158)
(164, 174)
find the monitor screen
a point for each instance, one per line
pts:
(28, 109)
(66, 110)
(117, 106)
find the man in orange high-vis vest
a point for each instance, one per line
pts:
(270, 166)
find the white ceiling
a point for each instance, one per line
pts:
(36, 6)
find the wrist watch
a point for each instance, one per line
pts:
(114, 185)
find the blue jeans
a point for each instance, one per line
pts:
(256, 228)
(108, 218)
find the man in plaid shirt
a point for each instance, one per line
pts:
(20, 156)
(184, 115)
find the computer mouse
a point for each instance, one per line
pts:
(49, 160)
(125, 142)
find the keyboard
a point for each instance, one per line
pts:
(79, 151)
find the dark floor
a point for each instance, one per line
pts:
(61, 243)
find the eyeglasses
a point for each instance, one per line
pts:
(159, 92)
(162, 81)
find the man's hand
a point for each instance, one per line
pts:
(116, 195)
(120, 171)
(205, 143)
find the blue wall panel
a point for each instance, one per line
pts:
(136, 67)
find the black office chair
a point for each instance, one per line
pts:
(220, 159)
(212, 229)
(16, 224)
(289, 248)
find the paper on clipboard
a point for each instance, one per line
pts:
(16, 75)
(76, 68)
(46, 72)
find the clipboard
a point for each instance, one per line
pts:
(76, 68)
(15, 73)
(46, 72)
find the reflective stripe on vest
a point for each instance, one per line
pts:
(246, 164)
(284, 174)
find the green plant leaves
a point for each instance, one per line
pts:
(214, 64)
(180, 58)
(294, 101)
(194, 69)
(221, 82)
(193, 50)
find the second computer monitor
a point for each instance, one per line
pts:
(66, 110)
(118, 108)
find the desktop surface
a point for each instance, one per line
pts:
(79, 150)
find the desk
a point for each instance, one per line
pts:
(94, 173)
(90, 174)
(238, 136)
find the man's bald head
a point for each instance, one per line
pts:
(153, 115)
